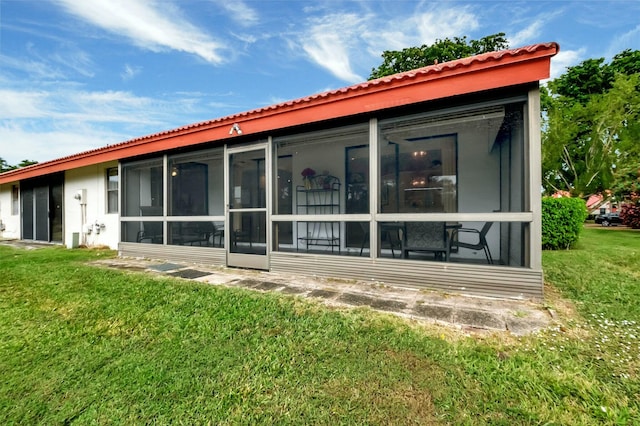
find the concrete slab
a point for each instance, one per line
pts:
(323, 294)
(434, 312)
(356, 299)
(189, 273)
(164, 267)
(462, 312)
(479, 319)
(268, 285)
(249, 283)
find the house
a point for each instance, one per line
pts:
(428, 178)
(597, 204)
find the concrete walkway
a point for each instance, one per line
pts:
(463, 312)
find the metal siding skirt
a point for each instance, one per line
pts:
(476, 280)
(190, 254)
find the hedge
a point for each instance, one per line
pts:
(562, 221)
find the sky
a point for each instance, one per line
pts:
(76, 75)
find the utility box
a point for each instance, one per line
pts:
(75, 240)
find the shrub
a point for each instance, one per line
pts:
(562, 221)
(630, 213)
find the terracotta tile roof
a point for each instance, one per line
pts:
(386, 92)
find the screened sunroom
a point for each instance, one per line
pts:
(439, 187)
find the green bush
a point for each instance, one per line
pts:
(562, 221)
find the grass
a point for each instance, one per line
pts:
(80, 344)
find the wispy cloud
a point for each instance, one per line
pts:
(41, 144)
(564, 59)
(422, 27)
(78, 60)
(44, 124)
(526, 35)
(343, 42)
(36, 69)
(444, 22)
(239, 12)
(330, 41)
(129, 72)
(156, 26)
(622, 42)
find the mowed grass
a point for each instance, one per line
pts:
(82, 344)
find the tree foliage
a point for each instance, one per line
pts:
(5, 167)
(591, 139)
(395, 61)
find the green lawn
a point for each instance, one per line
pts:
(81, 344)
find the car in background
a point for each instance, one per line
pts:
(609, 219)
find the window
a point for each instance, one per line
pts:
(418, 172)
(15, 200)
(322, 173)
(142, 184)
(195, 184)
(112, 190)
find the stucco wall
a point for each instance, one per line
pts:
(10, 221)
(93, 180)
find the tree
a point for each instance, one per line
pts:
(589, 147)
(591, 135)
(5, 167)
(395, 61)
(25, 163)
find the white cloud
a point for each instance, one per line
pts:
(527, 35)
(32, 142)
(19, 104)
(130, 72)
(239, 12)
(564, 59)
(35, 69)
(43, 125)
(156, 26)
(442, 23)
(630, 39)
(418, 29)
(330, 41)
(341, 42)
(77, 60)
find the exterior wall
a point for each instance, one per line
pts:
(10, 222)
(82, 218)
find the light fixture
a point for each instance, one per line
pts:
(235, 128)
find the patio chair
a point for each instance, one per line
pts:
(150, 232)
(480, 244)
(426, 237)
(386, 233)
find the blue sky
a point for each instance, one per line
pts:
(81, 74)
